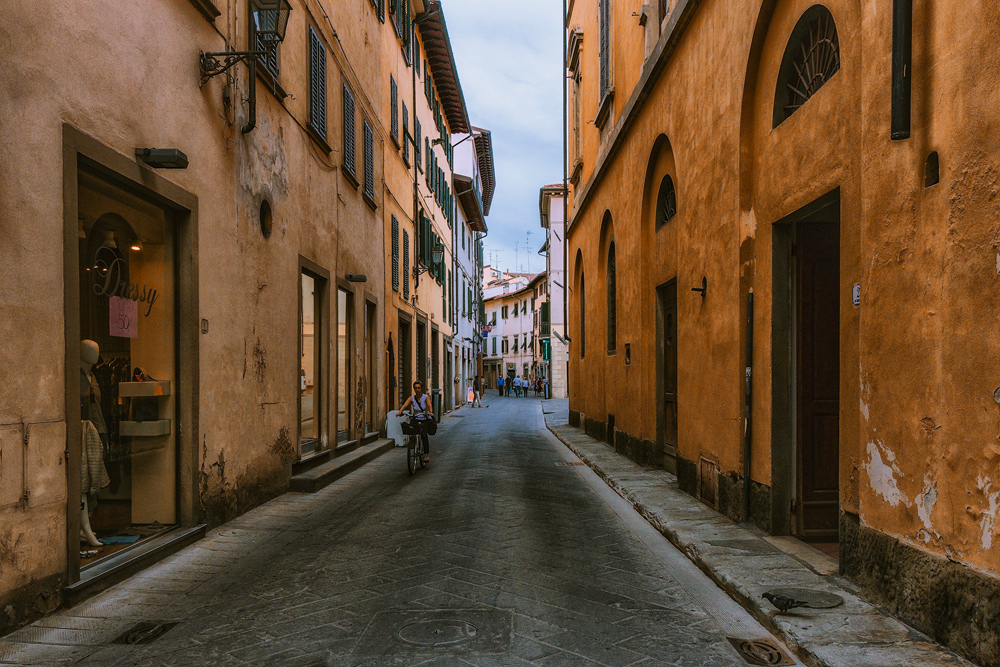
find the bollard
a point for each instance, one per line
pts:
(436, 402)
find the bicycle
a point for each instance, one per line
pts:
(412, 428)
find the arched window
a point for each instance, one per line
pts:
(811, 58)
(666, 202)
(612, 301)
(583, 318)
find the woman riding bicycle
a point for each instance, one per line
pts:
(420, 408)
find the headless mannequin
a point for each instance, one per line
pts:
(89, 352)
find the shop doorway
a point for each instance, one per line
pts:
(390, 375)
(127, 356)
(422, 354)
(666, 375)
(807, 370)
(405, 360)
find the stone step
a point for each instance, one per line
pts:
(323, 475)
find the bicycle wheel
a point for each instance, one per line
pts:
(411, 455)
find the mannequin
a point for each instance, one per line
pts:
(93, 473)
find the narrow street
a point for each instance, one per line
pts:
(502, 552)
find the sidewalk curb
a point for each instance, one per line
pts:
(855, 634)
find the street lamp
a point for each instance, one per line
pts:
(437, 256)
(270, 21)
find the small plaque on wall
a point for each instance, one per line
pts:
(856, 294)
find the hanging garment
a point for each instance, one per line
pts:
(93, 474)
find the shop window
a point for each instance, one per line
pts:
(811, 58)
(128, 368)
(345, 308)
(311, 385)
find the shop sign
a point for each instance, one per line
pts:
(124, 317)
(115, 285)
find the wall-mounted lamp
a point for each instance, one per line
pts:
(437, 256)
(704, 287)
(162, 158)
(270, 21)
(356, 278)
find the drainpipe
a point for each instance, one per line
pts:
(565, 192)
(747, 415)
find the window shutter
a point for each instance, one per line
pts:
(406, 265)
(350, 142)
(395, 254)
(394, 115)
(406, 133)
(317, 84)
(604, 48)
(416, 140)
(381, 11)
(369, 162)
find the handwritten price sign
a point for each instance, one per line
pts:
(124, 317)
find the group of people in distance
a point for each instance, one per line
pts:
(520, 386)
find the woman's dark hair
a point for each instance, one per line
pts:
(418, 382)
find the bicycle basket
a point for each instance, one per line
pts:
(411, 428)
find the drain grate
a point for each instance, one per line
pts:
(814, 599)
(145, 632)
(762, 651)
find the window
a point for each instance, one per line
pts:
(345, 308)
(583, 317)
(663, 10)
(605, 47)
(666, 202)
(811, 58)
(349, 138)
(369, 162)
(395, 254)
(406, 265)
(394, 114)
(516, 342)
(612, 301)
(506, 345)
(317, 84)
(494, 345)
(416, 140)
(406, 134)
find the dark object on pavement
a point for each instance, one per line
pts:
(783, 603)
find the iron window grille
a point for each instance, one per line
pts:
(317, 84)
(812, 57)
(666, 202)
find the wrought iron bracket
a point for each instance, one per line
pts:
(213, 64)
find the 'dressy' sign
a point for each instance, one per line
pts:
(114, 284)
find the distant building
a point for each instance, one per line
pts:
(512, 348)
(552, 320)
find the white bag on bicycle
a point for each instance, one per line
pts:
(393, 430)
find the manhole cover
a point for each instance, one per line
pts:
(814, 599)
(437, 632)
(760, 651)
(145, 632)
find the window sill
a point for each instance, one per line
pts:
(395, 141)
(318, 138)
(267, 77)
(351, 178)
(604, 110)
(577, 172)
(370, 201)
(207, 9)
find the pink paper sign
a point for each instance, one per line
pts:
(124, 321)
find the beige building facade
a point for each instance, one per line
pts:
(781, 232)
(210, 260)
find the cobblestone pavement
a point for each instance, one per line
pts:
(504, 551)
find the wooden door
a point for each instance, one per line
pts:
(817, 255)
(667, 295)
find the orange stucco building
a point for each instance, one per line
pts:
(797, 202)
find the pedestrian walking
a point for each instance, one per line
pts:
(500, 387)
(517, 386)
(477, 392)
(508, 384)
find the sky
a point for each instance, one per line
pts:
(509, 59)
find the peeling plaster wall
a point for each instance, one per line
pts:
(107, 81)
(919, 426)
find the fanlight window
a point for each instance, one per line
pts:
(811, 59)
(666, 202)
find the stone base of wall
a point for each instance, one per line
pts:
(642, 451)
(574, 419)
(954, 604)
(30, 602)
(595, 429)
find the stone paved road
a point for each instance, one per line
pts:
(499, 553)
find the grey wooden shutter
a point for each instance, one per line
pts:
(395, 254)
(369, 161)
(394, 115)
(350, 141)
(317, 84)
(406, 265)
(605, 45)
(416, 139)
